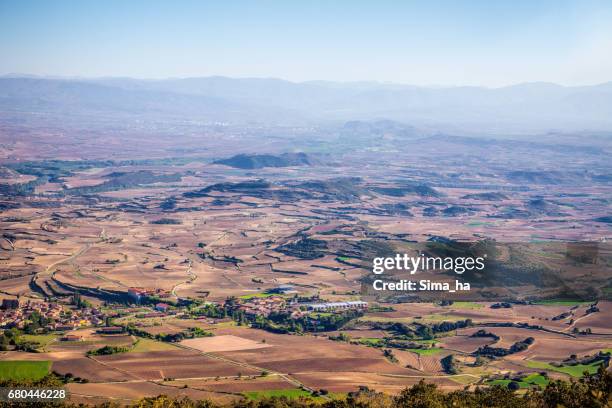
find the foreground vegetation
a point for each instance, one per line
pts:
(592, 391)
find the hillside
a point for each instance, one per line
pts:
(260, 161)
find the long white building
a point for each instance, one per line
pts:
(354, 304)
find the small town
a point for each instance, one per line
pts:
(56, 316)
(64, 315)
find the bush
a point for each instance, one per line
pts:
(513, 385)
(107, 350)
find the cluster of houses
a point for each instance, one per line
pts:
(138, 294)
(14, 313)
(264, 306)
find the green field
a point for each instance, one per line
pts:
(538, 379)
(370, 341)
(258, 295)
(430, 342)
(463, 379)
(466, 305)
(289, 393)
(426, 352)
(526, 382)
(439, 317)
(230, 323)
(24, 370)
(560, 302)
(42, 339)
(147, 345)
(322, 314)
(575, 371)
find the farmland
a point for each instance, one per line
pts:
(575, 371)
(289, 393)
(137, 272)
(24, 370)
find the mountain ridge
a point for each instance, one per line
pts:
(528, 107)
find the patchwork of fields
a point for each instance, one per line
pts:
(224, 267)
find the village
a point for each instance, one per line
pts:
(39, 316)
(44, 316)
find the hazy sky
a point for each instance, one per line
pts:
(490, 42)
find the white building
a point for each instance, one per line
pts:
(355, 304)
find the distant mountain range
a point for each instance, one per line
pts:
(531, 107)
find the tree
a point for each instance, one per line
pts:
(514, 386)
(421, 395)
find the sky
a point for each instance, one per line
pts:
(426, 43)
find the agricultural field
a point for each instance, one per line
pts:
(146, 346)
(525, 382)
(577, 370)
(207, 272)
(289, 393)
(24, 370)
